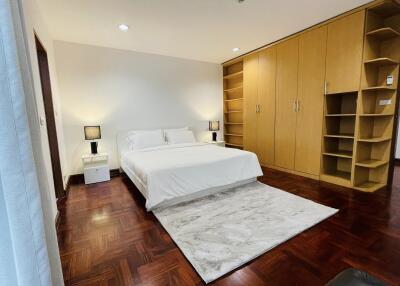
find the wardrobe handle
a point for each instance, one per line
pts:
(295, 105)
(259, 108)
(325, 87)
(256, 108)
(298, 105)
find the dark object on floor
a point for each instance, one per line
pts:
(354, 277)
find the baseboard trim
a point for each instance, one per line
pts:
(75, 179)
(314, 177)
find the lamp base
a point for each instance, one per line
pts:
(93, 147)
(214, 136)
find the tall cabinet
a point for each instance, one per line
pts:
(299, 101)
(310, 100)
(286, 96)
(259, 104)
(250, 93)
(266, 106)
(322, 103)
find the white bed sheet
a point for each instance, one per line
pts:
(172, 171)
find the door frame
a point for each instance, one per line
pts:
(47, 95)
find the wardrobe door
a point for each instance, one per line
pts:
(266, 101)
(344, 53)
(286, 94)
(250, 73)
(312, 55)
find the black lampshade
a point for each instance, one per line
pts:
(92, 132)
(213, 125)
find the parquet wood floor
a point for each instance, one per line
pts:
(106, 237)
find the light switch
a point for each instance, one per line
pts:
(389, 80)
(385, 102)
(42, 120)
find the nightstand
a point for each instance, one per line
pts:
(218, 143)
(95, 168)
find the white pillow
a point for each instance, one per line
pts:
(173, 130)
(145, 139)
(181, 136)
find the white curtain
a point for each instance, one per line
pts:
(28, 244)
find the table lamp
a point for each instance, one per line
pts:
(92, 133)
(213, 126)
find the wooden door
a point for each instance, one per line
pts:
(286, 94)
(250, 72)
(266, 101)
(312, 55)
(344, 53)
(50, 118)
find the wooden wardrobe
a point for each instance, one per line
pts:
(259, 104)
(311, 104)
(287, 79)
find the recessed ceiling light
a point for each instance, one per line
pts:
(235, 50)
(123, 27)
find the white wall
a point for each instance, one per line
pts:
(122, 90)
(34, 23)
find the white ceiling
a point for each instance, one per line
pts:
(204, 30)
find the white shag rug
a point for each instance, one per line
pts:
(223, 231)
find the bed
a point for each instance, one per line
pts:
(174, 173)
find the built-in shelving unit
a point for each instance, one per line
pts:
(273, 104)
(233, 105)
(338, 142)
(377, 100)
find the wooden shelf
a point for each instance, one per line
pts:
(376, 114)
(381, 62)
(342, 92)
(383, 33)
(233, 111)
(233, 89)
(340, 175)
(340, 115)
(233, 145)
(340, 153)
(234, 75)
(386, 9)
(233, 123)
(369, 186)
(348, 136)
(374, 88)
(371, 163)
(234, 99)
(375, 139)
(231, 134)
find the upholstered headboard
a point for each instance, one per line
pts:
(122, 143)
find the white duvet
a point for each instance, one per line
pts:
(173, 171)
